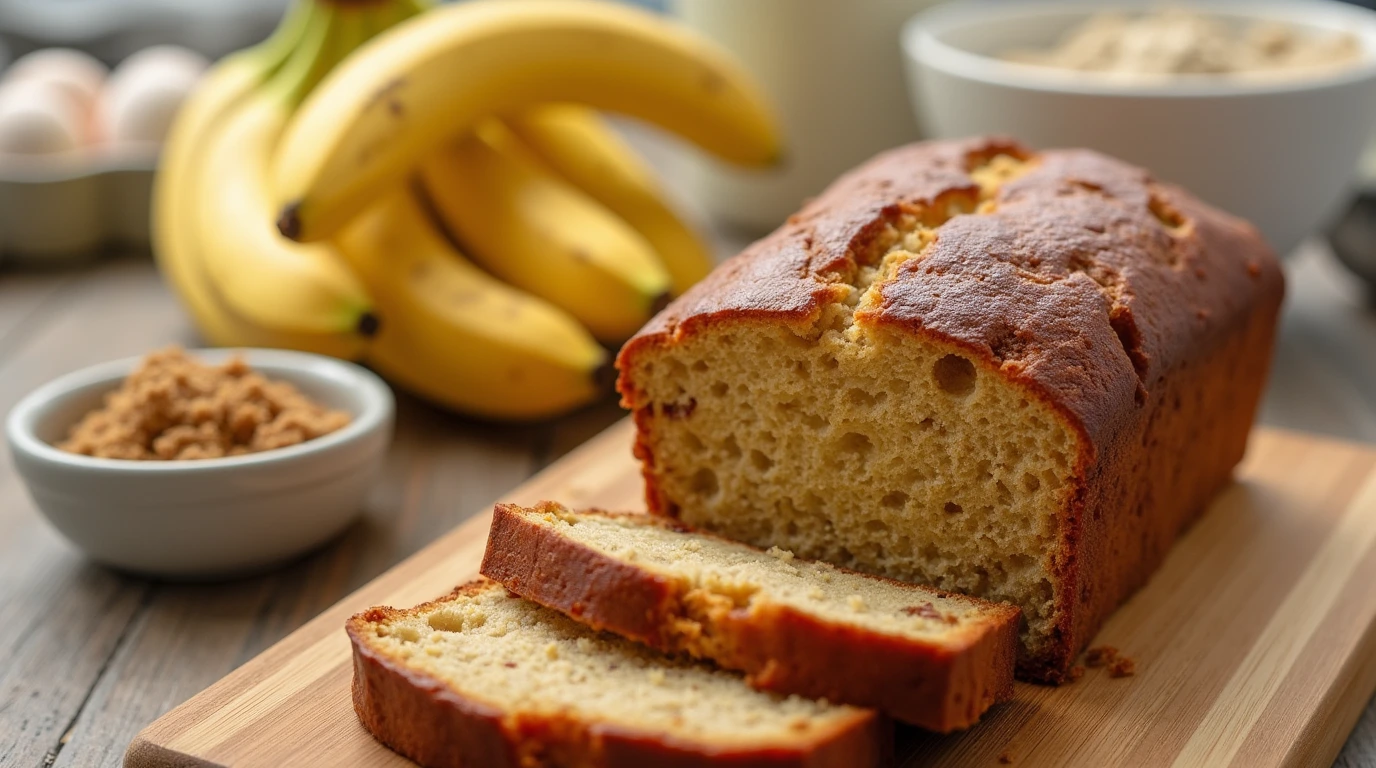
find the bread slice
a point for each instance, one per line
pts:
(796, 627)
(484, 678)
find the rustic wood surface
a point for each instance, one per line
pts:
(88, 657)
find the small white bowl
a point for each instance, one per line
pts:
(213, 517)
(1281, 153)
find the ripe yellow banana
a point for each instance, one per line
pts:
(542, 235)
(577, 144)
(401, 97)
(458, 336)
(176, 244)
(264, 277)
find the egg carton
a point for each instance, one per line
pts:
(71, 209)
(112, 29)
(61, 212)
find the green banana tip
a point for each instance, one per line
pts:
(289, 222)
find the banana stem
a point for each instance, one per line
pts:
(289, 30)
(333, 29)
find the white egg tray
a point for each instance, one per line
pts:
(61, 211)
(113, 29)
(53, 211)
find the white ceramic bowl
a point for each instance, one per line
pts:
(1283, 154)
(213, 517)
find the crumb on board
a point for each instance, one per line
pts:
(1076, 672)
(175, 407)
(1107, 656)
(1100, 656)
(1122, 666)
(1005, 758)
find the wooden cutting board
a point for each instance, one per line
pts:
(1255, 644)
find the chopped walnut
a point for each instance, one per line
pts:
(782, 554)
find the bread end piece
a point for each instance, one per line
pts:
(433, 723)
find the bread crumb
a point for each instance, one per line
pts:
(552, 651)
(175, 407)
(1122, 667)
(856, 603)
(1076, 672)
(692, 545)
(1100, 656)
(782, 554)
(1107, 656)
(1005, 758)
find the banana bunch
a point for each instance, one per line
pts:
(316, 190)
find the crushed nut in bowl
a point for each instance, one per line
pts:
(174, 406)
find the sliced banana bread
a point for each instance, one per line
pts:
(794, 626)
(1006, 373)
(484, 679)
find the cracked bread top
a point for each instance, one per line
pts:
(1074, 274)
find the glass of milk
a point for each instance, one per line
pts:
(834, 72)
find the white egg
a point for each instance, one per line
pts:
(143, 94)
(38, 118)
(78, 74)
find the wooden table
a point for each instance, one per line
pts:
(88, 656)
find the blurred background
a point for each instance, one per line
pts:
(813, 52)
(108, 249)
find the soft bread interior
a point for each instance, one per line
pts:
(528, 660)
(870, 448)
(716, 571)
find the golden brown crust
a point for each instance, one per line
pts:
(1124, 304)
(437, 726)
(942, 685)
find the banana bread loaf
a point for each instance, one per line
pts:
(1010, 374)
(793, 626)
(484, 679)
